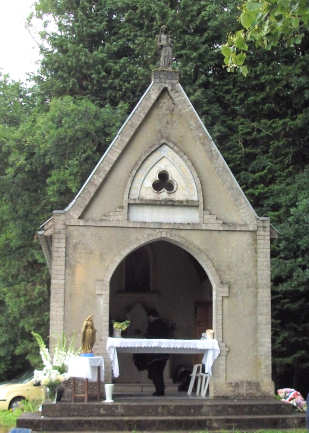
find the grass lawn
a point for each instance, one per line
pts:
(8, 417)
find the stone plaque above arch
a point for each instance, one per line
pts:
(165, 188)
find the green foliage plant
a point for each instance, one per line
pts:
(267, 24)
(47, 149)
(291, 282)
(121, 325)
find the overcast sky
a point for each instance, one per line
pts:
(19, 53)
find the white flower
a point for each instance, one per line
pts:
(62, 355)
(60, 378)
(45, 381)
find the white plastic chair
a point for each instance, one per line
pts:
(201, 378)
(205, 384)
(195, 376)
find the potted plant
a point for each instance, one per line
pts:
(119, 327)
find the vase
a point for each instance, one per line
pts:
(109, 393)
(117, 333)
(50, 394)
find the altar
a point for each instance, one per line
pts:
(208, 347)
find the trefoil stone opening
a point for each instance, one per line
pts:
(164, 183)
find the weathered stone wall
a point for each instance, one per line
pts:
(151, 133)
(231, 253)
(95, 233)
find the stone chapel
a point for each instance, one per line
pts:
(162, 223)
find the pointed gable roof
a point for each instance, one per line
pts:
(161, 80)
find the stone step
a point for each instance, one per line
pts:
(166, 407)
(144, 388)
(161, 423)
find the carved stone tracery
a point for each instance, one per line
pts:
(164, 183)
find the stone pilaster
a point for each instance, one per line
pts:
(102, 305)
(264, 305)
(57, 277)
(219, 370)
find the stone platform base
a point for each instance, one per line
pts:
(141, 388)
(178, 412)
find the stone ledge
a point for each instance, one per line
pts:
(216, 226)
(164, 75)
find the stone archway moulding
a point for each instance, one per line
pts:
(186, 160)
(220, 290)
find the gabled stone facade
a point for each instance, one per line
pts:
(162, 208)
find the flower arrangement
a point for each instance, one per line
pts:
(55, 368)
(290, 395)
(121, 325)
(51, 380)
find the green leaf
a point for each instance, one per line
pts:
(226, 50)
(253, 6)
(240, 42)
(248, 19)
(240, 58)
(244, 70)
(295, 22)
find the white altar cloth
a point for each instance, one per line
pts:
(209, 347)
(86, 367)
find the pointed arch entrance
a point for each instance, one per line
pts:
(182, 285)
(166, 277)
(219, 289)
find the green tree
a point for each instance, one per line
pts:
(291, 282)
(15, 104)
(106, 50)
(47, 152)
(267, 24)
